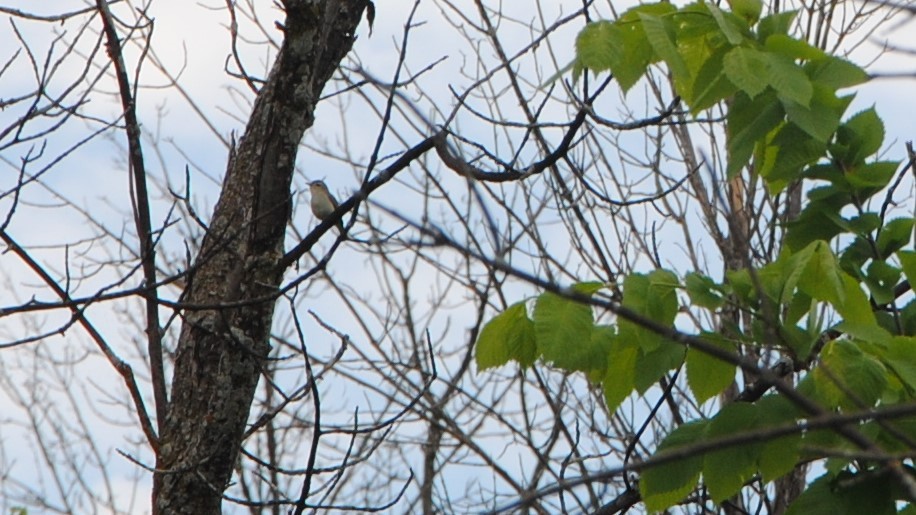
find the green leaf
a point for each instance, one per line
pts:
(799, 305)
(865, 223)
(908, 263)
(899, 356)
(780, 277)
(703, 291)
(829, 172)
(653, 296)
(660, 33)
(792, 48)
(746, 68)
(845, 370)
(834, 73)
(711, 85)
(858, 317)
(508, 336)
(749, 10)
(619, 47)
(588, 287)
(860, 136)
(597, 44)
(706, 375)
(820, 275)
(652, 364)
(787, 78)
(872, 176)
(693, 21)
(907, 320)
(729, 23)
(820, 117)
(803, 341)
(564, 333)
(621, 373)
(603, 338)
(881, 278)
(778, 456)
(787, 154)
(849, 495)
(749, 121)
(664, 485)
(778, 23)
(820, 219)
(726, 471)
(894, 236)
(741, 284)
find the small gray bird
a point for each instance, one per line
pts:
(323, 203)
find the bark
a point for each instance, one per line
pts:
(222, 348)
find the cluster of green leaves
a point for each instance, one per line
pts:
(782, 111)
(784, 114)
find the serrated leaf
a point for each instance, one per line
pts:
(563, 330)
(792, 48)
(617, 47)
(790, 151)
(508, 336)
(588, 287)
(861, 136)
(619, 381)
(603, 338)
(710, 86)
(693, 21)
(726, 471)
(787, 271)
(895, 235)
(651, 365)
(834, 73)
(703, 291)
(778, 23)
(821, 277)
(881, 278)
(745, 68)
(907, 320)
(749, 10)
(845, 368)
(869, 494)
(706, 375)
(788, 79)
(820, 219)
(799, 305)
(865, 223)
(820, 117)
(653, 296)
(855, 255)
(749, 121)
(597, 44)
(872, 175)
(664, 485)
(778, 456)
(858, 317)
(727, 22)
(899, 356)
(908, 263)
(660, 34)
(662, 292)
(741, 284)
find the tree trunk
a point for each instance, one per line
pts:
(224, 339)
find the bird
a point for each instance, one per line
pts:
(323, 202)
